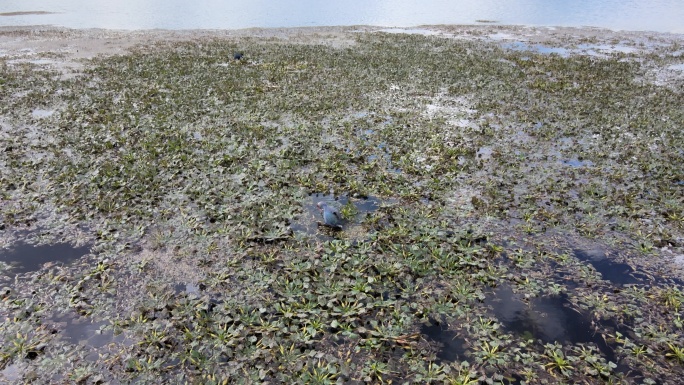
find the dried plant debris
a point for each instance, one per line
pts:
(508, 208)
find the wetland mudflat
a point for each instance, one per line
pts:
(471, 173)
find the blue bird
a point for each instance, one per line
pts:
(331, 217)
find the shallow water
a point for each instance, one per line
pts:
(549, 319)
(577, 162)
(41, 113)
(23, 257)
(189, 288)
(615, 272)
(308, 222)
(655, 15)
(78, 330)
(452, 347)
(93, 337)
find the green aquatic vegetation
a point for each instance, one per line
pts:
(557, 361)
(672, 298)
(375, 371)
(465, 375)
(595, 364)
(675, 352)
(20, 346)
(348, 210)
(491, 352)
(191, 170)
(430, 373)
(320, 373)
(640, 352)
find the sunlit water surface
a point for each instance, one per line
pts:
(636, 15)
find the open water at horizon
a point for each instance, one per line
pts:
(631, 15)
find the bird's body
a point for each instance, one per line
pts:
(331, 217)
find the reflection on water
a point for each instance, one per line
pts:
(549, 319)
(93, 336)
(615, 272)
(189, 288)
(451, 347)
(78, 331)
(654, 15)
(577, 162)
(25, 257)
(308, 222)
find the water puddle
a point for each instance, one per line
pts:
(550, 319)
(577, 162)
(189, 288)
(40, 113)
(615, 272)
(76, 330)
(386, 157)
(369, 136)
(24, 257)
(484, 153)
(452, 347)
(356, 208)
(95, 336)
